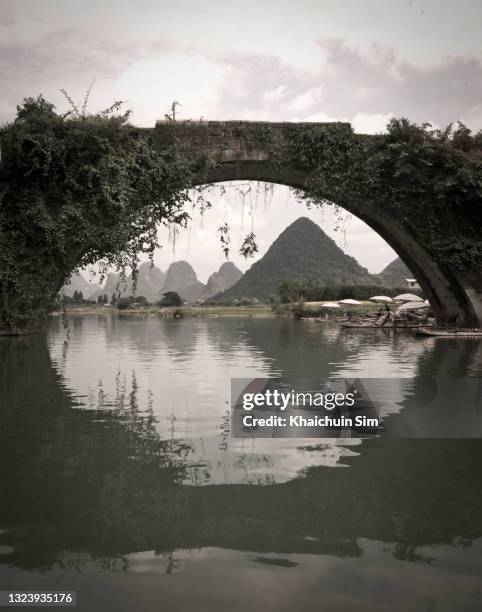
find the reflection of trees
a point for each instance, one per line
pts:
(446, 394)
(147, 335)
(452, 358)
(74, 476)
(102, 481)
(277, 340)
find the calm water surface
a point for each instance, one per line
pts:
(119, 478)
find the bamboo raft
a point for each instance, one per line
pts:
(458, 332)
(349, 325)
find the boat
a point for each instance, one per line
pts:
(398, 325)
(457, 332)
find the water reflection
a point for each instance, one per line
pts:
(104, 441)
(187, 367)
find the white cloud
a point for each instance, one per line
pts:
(307, 99)
(305, 61)
(152, 84)
(366, 123)
(324, 118)
(274, 95)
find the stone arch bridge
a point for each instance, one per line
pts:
(456, 296)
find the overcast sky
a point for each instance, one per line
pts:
(352, 60)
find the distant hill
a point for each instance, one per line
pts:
(110, 287)
(150, 280)
(394, 274)
(302, 251)
(153, 282)
(79, 283)
(182, 279)
(227, 275)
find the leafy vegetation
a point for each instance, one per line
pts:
(170, 298)
(430, 181)
(312, 291)
(77, 189)
(123, 303)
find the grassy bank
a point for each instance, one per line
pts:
(314, 309)
(296, 310)
(255, 310)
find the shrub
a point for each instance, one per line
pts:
(170, 298)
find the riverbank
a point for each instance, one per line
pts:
(308, 310)
(255, 310)
(296, 310)
(299, 310)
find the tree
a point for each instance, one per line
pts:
(74, 190)
(170, 298)
(413, 171)
(77, 297)
(105, 299)
(100, 300)
(113, 299)
(140, 300)
(124, 302)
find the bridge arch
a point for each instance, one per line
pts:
(451, 299)
(455, 295)
(419, 191)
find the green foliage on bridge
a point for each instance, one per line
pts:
(430, 181)
(76, 189)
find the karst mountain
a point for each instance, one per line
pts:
(301, 252)
(395, 274)
(153, 282)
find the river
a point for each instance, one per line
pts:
(120, 479)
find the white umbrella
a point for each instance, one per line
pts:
(349, 301)
(381, 298)
(413, 306)
(330, 305)
(407, 297)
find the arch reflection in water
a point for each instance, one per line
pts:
(99, 478)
